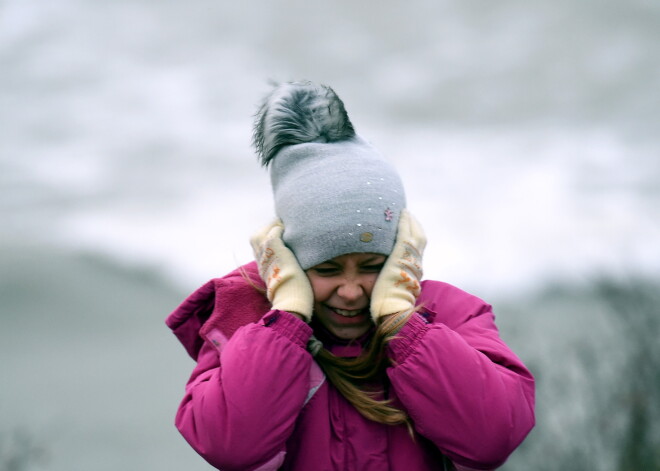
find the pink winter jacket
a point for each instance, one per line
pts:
(257, 400)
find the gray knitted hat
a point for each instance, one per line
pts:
(334, 193)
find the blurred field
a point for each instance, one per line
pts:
(595, 354)
(91, 377)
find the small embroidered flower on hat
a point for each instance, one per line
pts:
(388, 214)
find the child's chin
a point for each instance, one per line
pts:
(349, 332)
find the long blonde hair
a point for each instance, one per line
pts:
(362, 379)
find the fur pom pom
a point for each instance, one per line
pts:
(299, 112)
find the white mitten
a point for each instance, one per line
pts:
(397, 286)
(288, 288)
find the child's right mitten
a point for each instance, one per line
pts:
(287, 286)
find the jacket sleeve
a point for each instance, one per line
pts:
(240, 408)
(463, 388)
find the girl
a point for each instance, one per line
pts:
(329, 352)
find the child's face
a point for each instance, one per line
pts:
(342, 292)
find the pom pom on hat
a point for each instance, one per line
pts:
(299, 112)
(334, 192)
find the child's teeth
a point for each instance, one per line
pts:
(345, 313)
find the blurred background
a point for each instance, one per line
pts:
(527, 134)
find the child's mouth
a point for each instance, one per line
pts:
(348, 313)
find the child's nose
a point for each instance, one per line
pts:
(351, 290)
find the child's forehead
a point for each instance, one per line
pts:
(356, 258)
